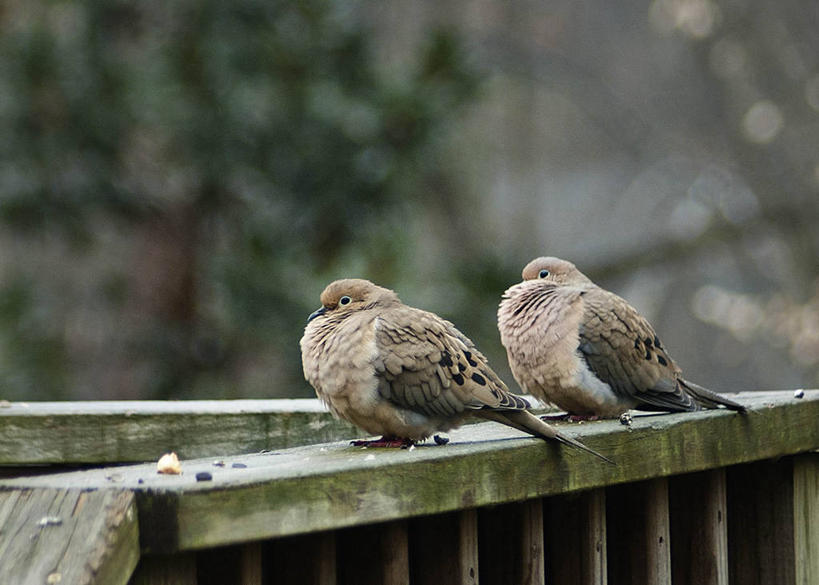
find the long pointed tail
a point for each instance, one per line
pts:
(527, 422)
(710, 398)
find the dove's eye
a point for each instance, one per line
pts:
(345, 300)
(543, 273)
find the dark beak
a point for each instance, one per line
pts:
(316, 313)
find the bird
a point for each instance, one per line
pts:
(402, 372)
(587, 350)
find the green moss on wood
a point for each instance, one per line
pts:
(334, 485)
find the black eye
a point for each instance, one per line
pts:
(543, 273)
(345, 300)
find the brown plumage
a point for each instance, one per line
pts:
(401, 372)
(587, 350)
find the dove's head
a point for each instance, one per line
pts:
(343, 297)
(555, 271)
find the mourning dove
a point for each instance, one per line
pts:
(401, 372)
(587, 350)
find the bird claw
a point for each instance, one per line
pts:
(389, 442)
(440, 440)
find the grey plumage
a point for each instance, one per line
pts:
(587, 350)
(402, 372)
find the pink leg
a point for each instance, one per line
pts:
(384, 442)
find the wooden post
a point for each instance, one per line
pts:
(510, 543)
(699, 528)
(373, 554)
(638, 533)
(806, 517)
(308, 559)
(444, 549)
(761, 523)
(576, 538)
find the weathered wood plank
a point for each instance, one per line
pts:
(576, 538)
(67, 536)
(761, 523)
(699, 531)
(444, 549)
(134, 431)
(178, 569)
(806, 517)
(324, 487)
(638, 533)
(65, 433)
(373, 554)
(510, 543)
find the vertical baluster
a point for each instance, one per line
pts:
(510, 543)
(760, 523)
(638, 533)
(806, 517)
(179, 569)
(304, 560)
(576, 538)
(699, 530)
(444, 549)
(373, 554)
(250, 564)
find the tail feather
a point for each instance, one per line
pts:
(710, 398)
(528, 423)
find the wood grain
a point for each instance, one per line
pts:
(67, 536)
(576, 538)
(308, 559)
(806, 517)
(373, 554)
(760, 523)
(699, 528)
(36, 433)
(510, 544)
(444, 549)
(637, 527)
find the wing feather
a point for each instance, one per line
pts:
(622, 349)
(425, 364)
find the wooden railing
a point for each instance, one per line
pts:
(710, 497)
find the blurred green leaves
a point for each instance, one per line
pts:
(240, 148)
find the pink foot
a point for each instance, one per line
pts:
(384, 442)
(569, 417)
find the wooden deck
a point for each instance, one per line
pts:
(706, 497)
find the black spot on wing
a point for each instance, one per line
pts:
(459, 380)
(446, 360)
(468, 356)
(478, 379)
(662, 360)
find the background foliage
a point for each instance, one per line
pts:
(178, 181)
